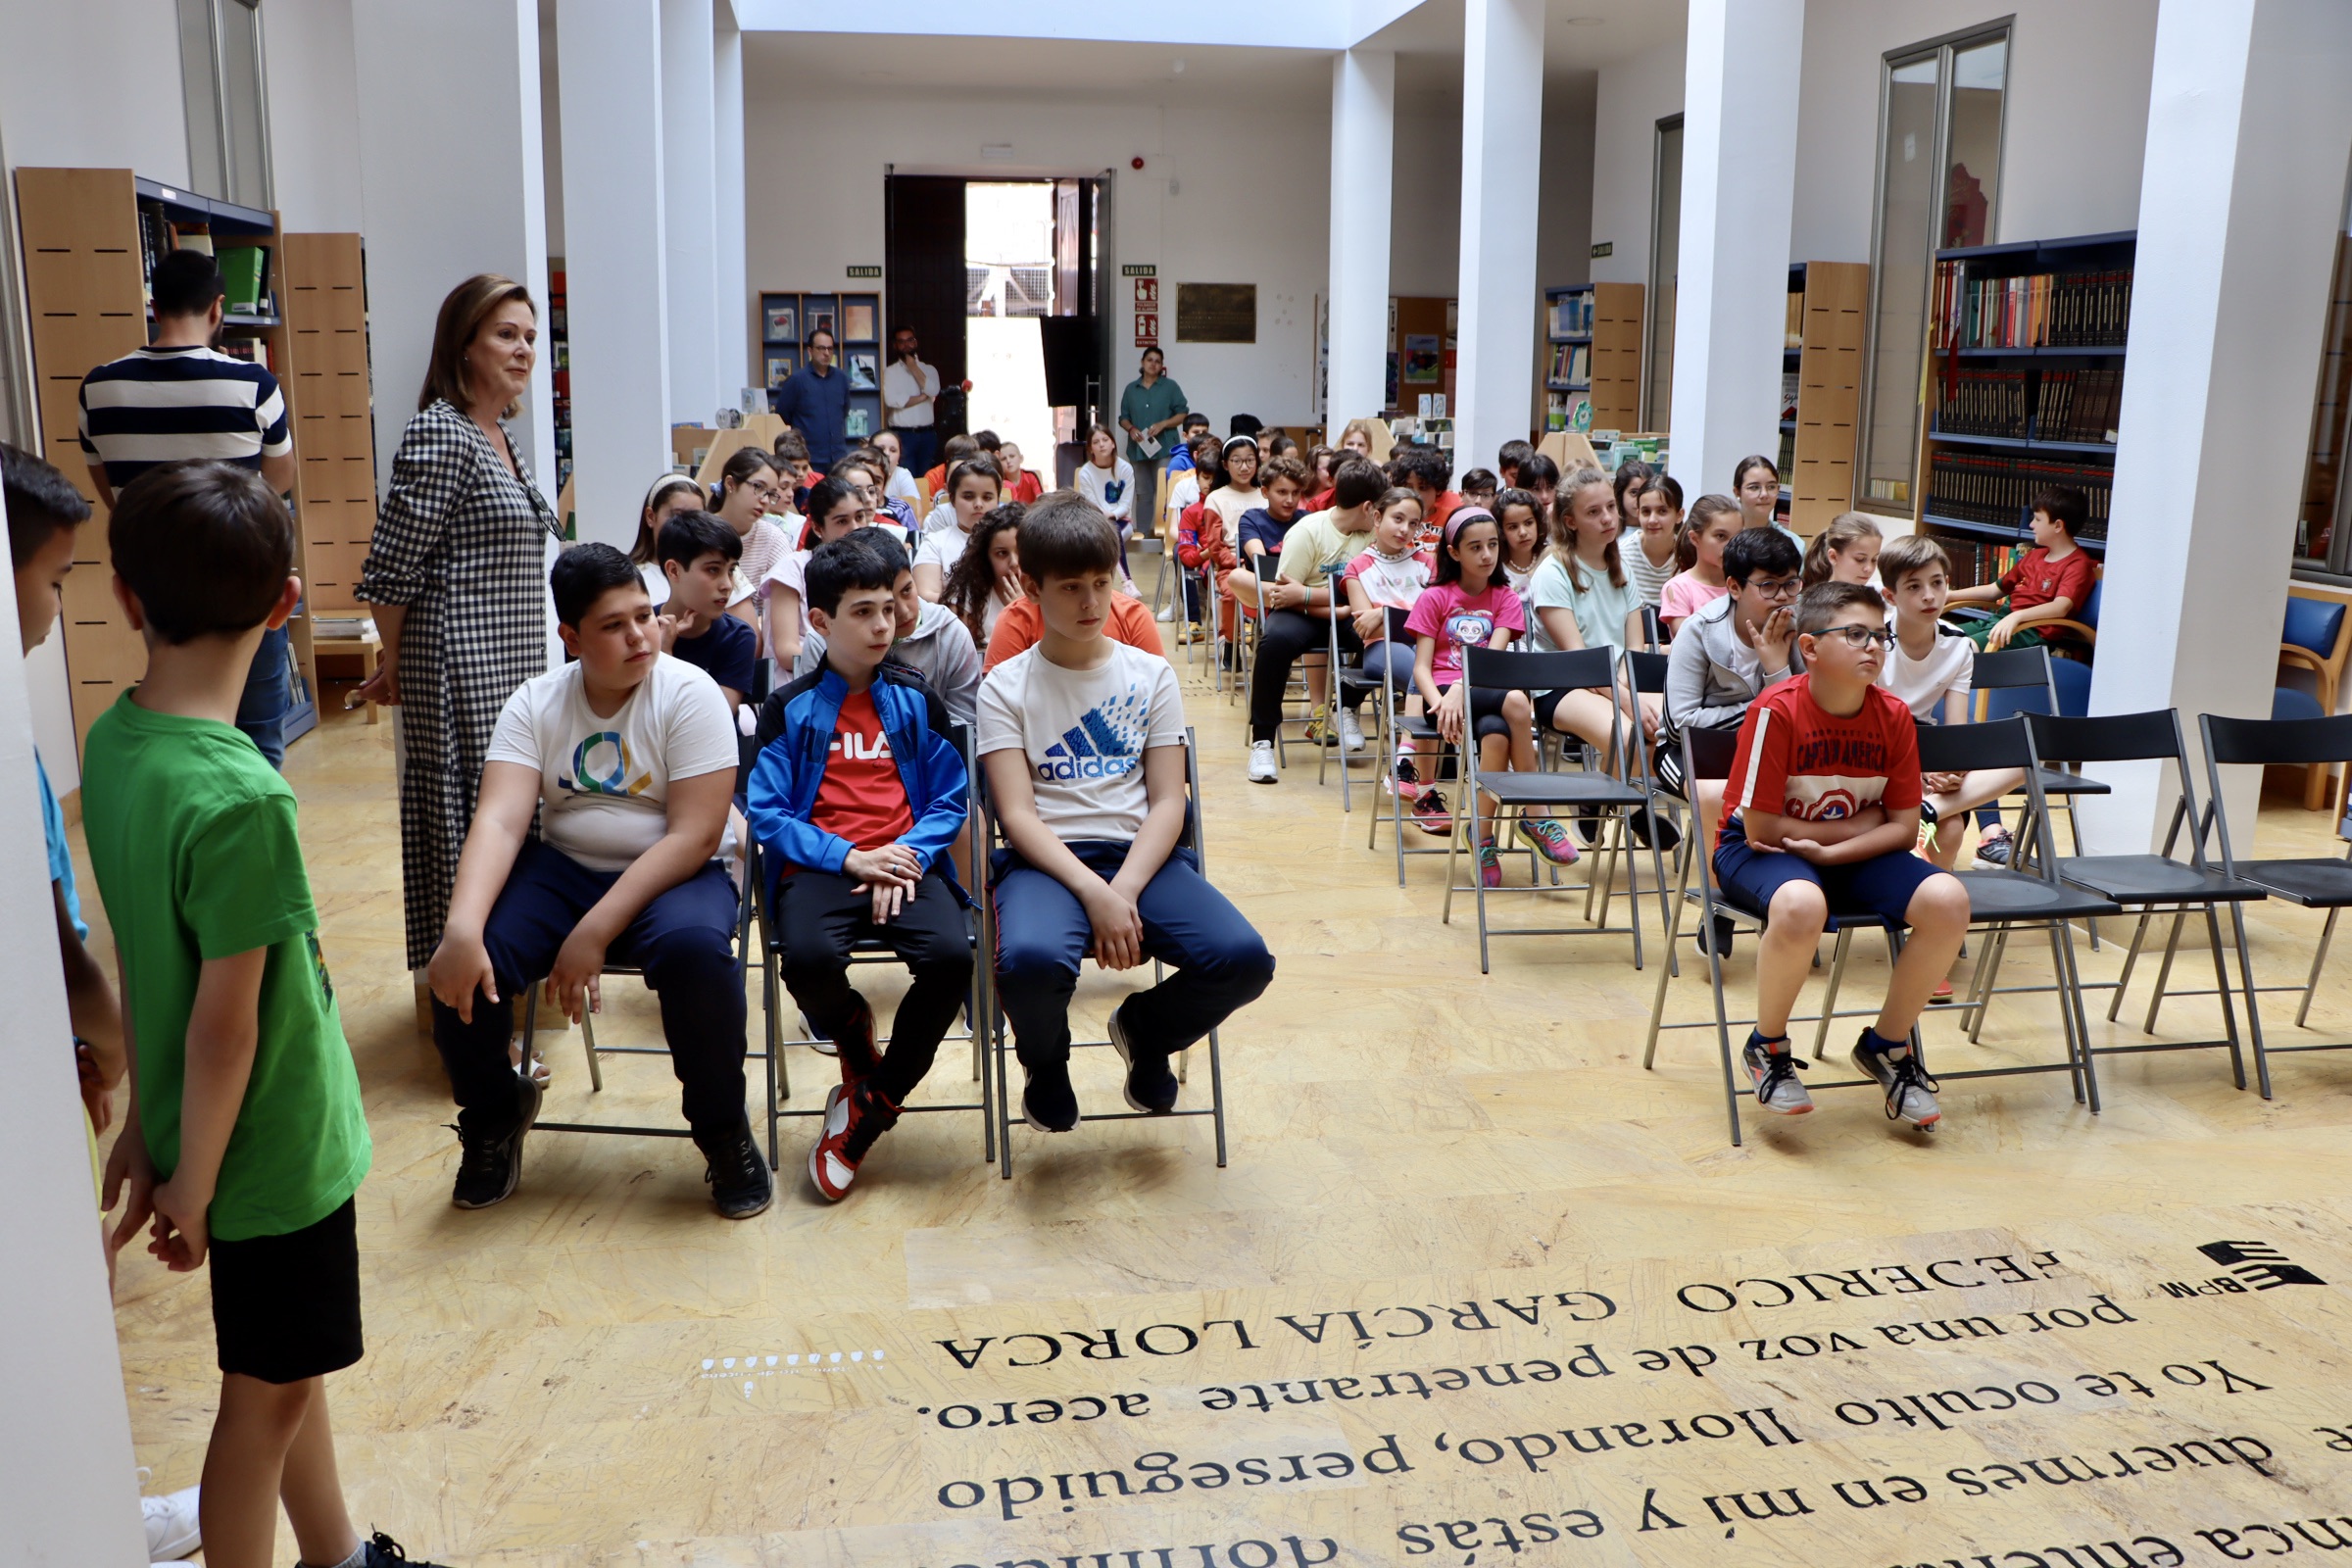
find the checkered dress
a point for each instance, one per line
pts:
(460, 540)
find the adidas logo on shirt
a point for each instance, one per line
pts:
(1094, 747)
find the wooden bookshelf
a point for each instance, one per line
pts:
(1419, 315)
(1567, 368)
(86, 235)
(1617, 355)
(856, 321)
(2049, 316)
(325, 376)
(1834, 300)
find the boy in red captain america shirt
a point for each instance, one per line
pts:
(1822, 811)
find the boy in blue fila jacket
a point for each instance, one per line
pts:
(859, 793)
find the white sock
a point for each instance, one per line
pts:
(358, 1559)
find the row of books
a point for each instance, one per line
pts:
(1572, 316)
(1570, 363)
(1978, 561)
(2044, 405)
(1997, 490)
(252, 350)
(1788, 382)
(2039, 310)
(244, 266)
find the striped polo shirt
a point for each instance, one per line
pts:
(174, 404)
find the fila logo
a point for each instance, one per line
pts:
(855, 748)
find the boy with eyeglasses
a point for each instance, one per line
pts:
(1822, 811)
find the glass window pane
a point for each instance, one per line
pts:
(1664, 261)
(2331, 423)
(1973, 144)
(248, 132)
(200, 94)
(1899, 287)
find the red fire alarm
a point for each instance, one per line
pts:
(1135, 163)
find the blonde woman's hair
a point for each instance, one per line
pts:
(1563, 529)
(1843, 529)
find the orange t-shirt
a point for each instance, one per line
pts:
(1021, 627)
(861, 797)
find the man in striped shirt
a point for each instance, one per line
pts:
(177, 400)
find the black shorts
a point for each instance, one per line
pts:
(1484, 709)
(287, 1308)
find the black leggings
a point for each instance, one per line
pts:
(1486, 710)
(1289, 633)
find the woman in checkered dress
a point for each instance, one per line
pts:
(457, 572)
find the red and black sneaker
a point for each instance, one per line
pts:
(855, 1046)
(854, 1118)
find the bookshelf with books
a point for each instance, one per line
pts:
(1568, 358)
(558, 360)
(91, 238)
(787, 317)
(2025, 346)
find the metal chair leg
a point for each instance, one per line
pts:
(2311, 986)
(2164, 973)
(2123, 982)
(2246, 973)
(2221, 985)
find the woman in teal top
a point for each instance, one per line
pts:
(1581, 596)
(1151, 406)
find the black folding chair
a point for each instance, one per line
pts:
(2021, 674)
(1646, 675)
(1581, 791)
(1653, 629)
(1398, 726)
(2157, 883)
(1345, 676)
(998, 1030)
(2311, 883)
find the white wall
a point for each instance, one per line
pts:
(814, 172)
(94, 84)
(1564, 239)
(1632, 96)
(314, 128)
(2077, 114)
(1425, 225)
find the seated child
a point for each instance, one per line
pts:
(1083, 741)
(1479, 488)
(2051, 582)
(698, 555)
(858, 794)
(972, 492)
(836, 506)
(1522, 539)
(1653, 556)
(1260, 534)
(1822, 811)
(1930, 667)
(1468, 604)
(1846, 550)
(1389, 578)
(1300, 603)
(931, 642)
(1715, 520)
(987, 581)
(245, 1142)
(628, 757)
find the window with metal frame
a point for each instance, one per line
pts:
(1665, 259)
(225, 100)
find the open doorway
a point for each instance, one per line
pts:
(1008, 290)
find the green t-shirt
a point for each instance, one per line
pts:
(192, 836)
(1145, 407)
(1600, 606)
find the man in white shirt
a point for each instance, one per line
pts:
(628, 757)
(909, 400)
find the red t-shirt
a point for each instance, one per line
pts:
(861, 797)
(2038, 579)
(1026, 489)
(1798, 759)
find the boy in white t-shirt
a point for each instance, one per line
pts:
(1930, 667)
(629, 755)
(1082, 739)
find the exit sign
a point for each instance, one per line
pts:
(1605, 248)
(1138, 269)
(866, 271)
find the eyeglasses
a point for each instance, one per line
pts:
(1776, 587)
(1860, 637)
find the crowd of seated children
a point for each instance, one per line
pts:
(932, 640)
(987, 581)
(698, 554)
(857, 796)
(1382, 585)
(1522, 522)
(245, 1142)
(1756, 486)
(1654, 555)
(1092, 862)
(798, 473)
(1714, 521)
(1426, 470)
(627, 756)
(1469, 605)
(1821, 814)
(956, 449)
(1299, 603)
(1478, 488)
(972, 492)
(835, 508)
(1582, 597)
(1846, 550)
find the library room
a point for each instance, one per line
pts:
(1426, 656)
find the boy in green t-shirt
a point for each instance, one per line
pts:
(245, 1138)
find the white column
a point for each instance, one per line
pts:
(616, 258)
(1741, 67)
(690, 209)
(2248, 137)
(68, 1488)
(732, 318)
(447, 195)
(1503, 142)
(1363, 162)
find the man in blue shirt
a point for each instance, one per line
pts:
(815, 402)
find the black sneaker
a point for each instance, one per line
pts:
(1650, 828)
(489, 1167)
(1910, 1092)
(1717, 941)
(380, 1550)
(1151, 1088)
(1994, 852)
(740, 1186)
(1048, 1103)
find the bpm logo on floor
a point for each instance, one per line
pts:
(2255, 1264)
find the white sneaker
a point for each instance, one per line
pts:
(1167, 612)
(170, 1524)
(1352, 733)
(1261, 762)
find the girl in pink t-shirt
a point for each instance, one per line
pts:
(1714, 521)
(1469, 604)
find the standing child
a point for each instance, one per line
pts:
(1714, 521)
(698, 554)
(1822, 809)
(1656, 557)
(1846, 550)
(859, 795)
(245, 1142)
(1469, 605)
(973, 491)
(1108, 479)
(1092, 862)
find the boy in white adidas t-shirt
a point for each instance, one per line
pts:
(1082, 739)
